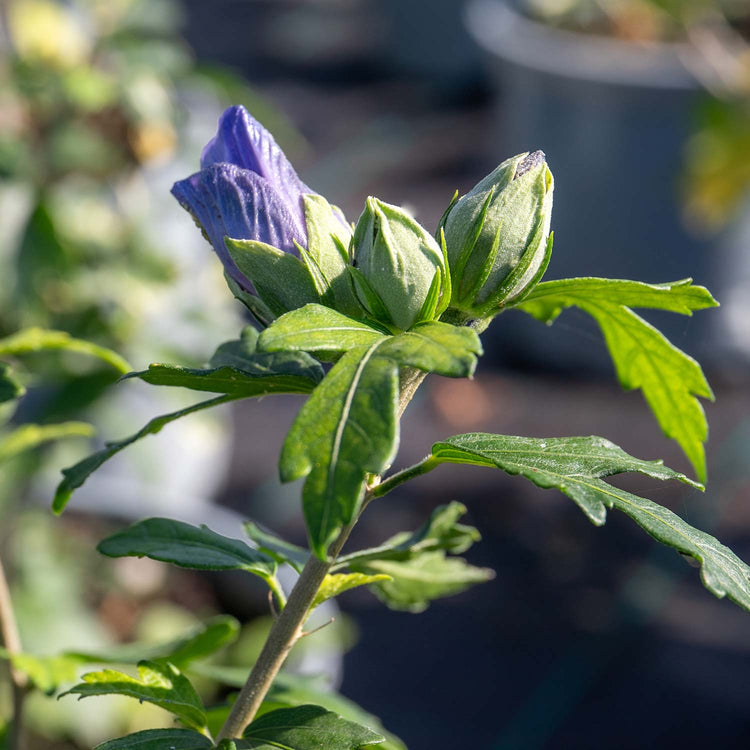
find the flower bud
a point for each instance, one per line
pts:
(276, 238)
(497, 235)
(399, 270)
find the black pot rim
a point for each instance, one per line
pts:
(505, 33)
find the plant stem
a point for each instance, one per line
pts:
(12, 642)
(393, 481)
(287, 629)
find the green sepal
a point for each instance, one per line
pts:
(470, 294)
(370, 299)
(282, 280)
(327, 241)
(259, 309)
(322, 286)
(429, 309)
(466, 251)
(447, 291)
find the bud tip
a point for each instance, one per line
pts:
(534, 159)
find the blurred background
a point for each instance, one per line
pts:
(587, 637)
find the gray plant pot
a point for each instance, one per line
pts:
(612, 117)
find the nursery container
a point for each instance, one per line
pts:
(613, 117)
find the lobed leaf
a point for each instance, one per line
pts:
(159, 683)
(441, 532)
(159, 739)
(547, 299)
(671, 381)
(576, 466)
(346, 430)
(306, 728)
(75, 476)
(187, 546)
(417, 581)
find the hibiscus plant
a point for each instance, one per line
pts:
(355, 317)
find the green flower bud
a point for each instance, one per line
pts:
(497, 236)
(399, 271)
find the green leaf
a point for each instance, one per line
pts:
(159, 739)
(418, 564)
(197, 644)
(575, 467)
(316, 328)
(159, 683)
(237, 383)
(306, 728)
(281, 279)
(548, 299)
(10, 388)
(336, 583)
(239, 370)
(346, 430)
(29, 436)
(76, 475)
(187, 546)
(39, 339)
(670, 380)
(427, 576)
(441, 532)
(436, 347)
(276, 547)
(296, 690)
(237, 352)
(46, 673)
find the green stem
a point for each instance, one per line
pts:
(287, 629)
(12, 643)
(393, 481)
(277, 591)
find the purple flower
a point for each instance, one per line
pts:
(246, 190)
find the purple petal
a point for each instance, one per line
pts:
(227, 201)
(241, 140)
